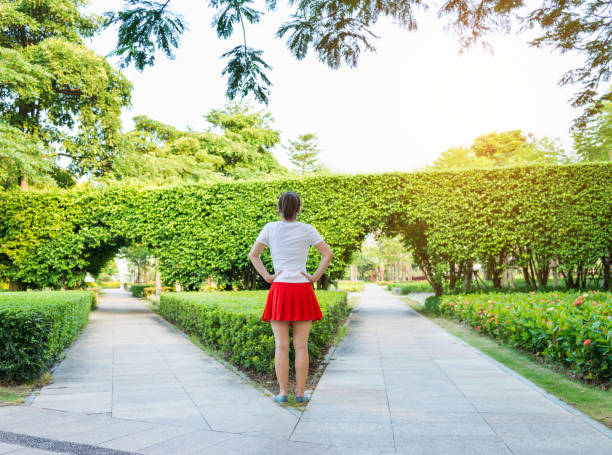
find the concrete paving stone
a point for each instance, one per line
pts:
(106, 432)
(248, 445)
(452, 444)
(5, 448)
(553, 438)
(515, 405)
(26, 422)
(349, 434)
(372, 397)
(96, 402)
(146, 438)
(346, 412)
(77, 389)
(187, 443)
(33, 451)
(62, 429)
(407, 425)
(512, 418)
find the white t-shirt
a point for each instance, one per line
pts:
(289, 242)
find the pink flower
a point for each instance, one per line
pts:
(478, 328)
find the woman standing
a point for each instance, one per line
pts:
(291, 299)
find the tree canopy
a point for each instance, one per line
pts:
(236, 146)
(338, 31)
(507, 148)
(57, 98)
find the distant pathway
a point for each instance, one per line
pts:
(396, 384)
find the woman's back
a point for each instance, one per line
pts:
(289, 243)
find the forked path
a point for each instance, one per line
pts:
(397, 383)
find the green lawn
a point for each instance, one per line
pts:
(351, 286)
(15, 394)
(593, 401)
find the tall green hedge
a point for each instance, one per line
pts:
(449, 219)
(35, 327)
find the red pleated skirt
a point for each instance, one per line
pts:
(291, 302)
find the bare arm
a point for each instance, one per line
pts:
(255, 258)
(326, 257)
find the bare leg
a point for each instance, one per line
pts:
(281, 354)
(301, 330)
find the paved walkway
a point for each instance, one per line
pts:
(396, 384)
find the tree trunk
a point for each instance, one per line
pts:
(23, 182)
(452, 276)
(555, 272)
(157, 278)
(16, 286)
(469, 271)
(353, 273)
(606, 261)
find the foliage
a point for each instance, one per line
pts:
(340, 31)
(304, 152)
(230, 322)
(351, 286)
(407, 288)
(509, 148)
(237, 145)
(593, 142)
(35, 327)
(64, 100)
(447, 219)
(571, 328)
(382, 257)
(138, 290)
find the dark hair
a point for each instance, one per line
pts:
(289, 204)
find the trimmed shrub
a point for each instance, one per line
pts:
(407, 288)
(230, 322)
(567, 327)
(35, 327)
(110, 284)
(450, 220)
(351, 286)
(138, 290)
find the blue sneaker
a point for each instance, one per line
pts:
(281, 398)
(301, 399)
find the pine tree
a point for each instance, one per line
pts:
(304, 152)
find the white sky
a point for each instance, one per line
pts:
(397, 111)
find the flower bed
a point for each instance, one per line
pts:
(35, 327)
(572, 328)
(230, 322)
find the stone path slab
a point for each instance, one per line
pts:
(396, 384)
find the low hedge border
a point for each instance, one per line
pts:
(230, 322)
(407, 288)
(35, 327)
(571, 328)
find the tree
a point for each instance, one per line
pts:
(236, 146)
(504, 149)
(55, 94)
(340, 30)
(304, 153)
(593, 142)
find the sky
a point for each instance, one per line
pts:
(415, 97)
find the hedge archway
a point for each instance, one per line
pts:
(536, 213)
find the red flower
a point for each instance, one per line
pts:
(587, 342)
(478, 328)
